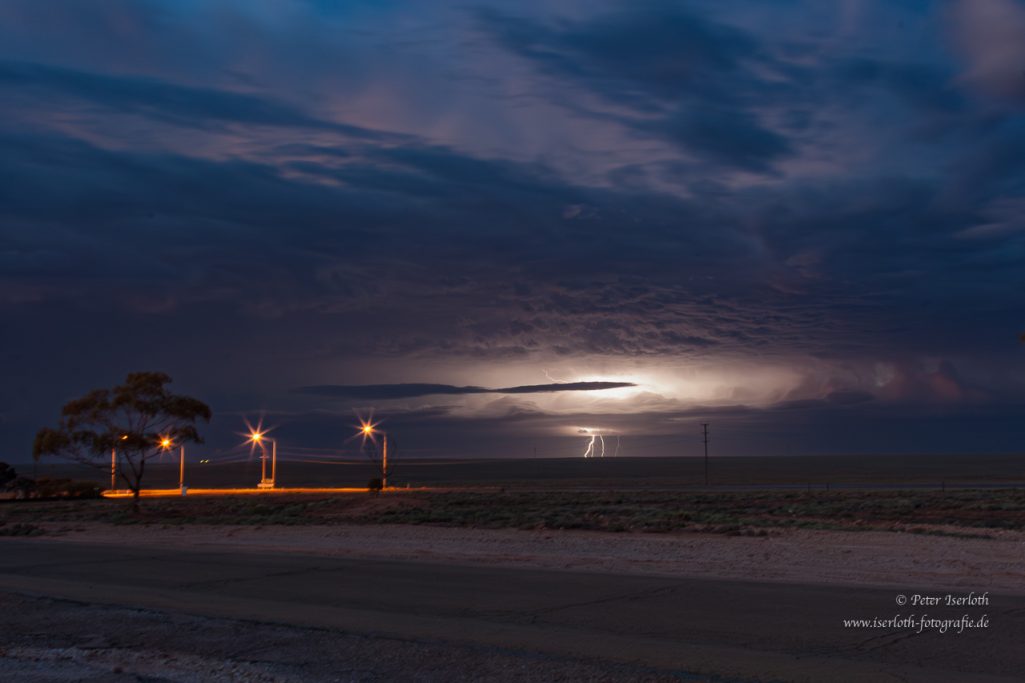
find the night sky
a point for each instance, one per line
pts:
(802, 222)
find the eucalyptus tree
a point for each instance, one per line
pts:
(127, 423)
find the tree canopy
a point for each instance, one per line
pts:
(131, 420)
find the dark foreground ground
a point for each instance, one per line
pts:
(106, 613)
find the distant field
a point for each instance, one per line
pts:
(961, 512)
(607, 473)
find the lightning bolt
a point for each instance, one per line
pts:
(595, 443)
(590, 448)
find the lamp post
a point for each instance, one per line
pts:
(113, 464)
(166, 444)
(369, 429)
(257, 437)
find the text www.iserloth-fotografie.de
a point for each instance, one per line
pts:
(921, 623)
(924, 622)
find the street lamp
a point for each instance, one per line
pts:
(166, 444)
(113, 464)
(257, 437)
(368, 429)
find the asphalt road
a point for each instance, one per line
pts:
(741, 631)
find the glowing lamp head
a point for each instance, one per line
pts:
(367, 429)
(165, 443)
(256, 437)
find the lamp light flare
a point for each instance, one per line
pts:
(166, 443)
(367, 428)
(257, 434)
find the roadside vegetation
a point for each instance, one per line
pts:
(16, 487)
(968, 512)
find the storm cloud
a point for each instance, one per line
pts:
(699, 209)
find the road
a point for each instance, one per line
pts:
(740, 631)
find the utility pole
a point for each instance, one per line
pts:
(384, 463)
(273, 462)
(704, 428)
(113, 468)
(181, 469)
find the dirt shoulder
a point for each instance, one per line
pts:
(866, 558)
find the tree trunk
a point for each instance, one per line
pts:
(137, 489)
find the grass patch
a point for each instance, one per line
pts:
(964, 513)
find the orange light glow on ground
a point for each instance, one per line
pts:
(176, 493)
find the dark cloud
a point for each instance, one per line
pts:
(725, 135)
(394, 391)
(649, 54)
(687, 79)
(160, 100)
